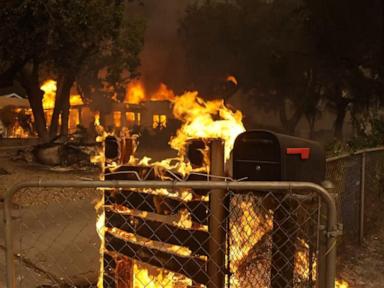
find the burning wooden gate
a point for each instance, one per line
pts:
(183, 232)
(185, 238)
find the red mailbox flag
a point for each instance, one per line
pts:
(303, 152)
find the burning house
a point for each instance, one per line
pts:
(11, 104)
(151, 115)
(135, 113)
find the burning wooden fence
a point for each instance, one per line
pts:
(171, 230)
(162, 238)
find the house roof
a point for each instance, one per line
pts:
(13, 99)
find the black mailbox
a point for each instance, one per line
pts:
(261, 155)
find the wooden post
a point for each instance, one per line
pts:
(217, 217)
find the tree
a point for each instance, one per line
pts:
(264, 43)
(296, 52)
(59, 40)
(347, 39)
(105, 75)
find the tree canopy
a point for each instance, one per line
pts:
(300, 52)
(62, 39)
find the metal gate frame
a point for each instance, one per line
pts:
(327, 258)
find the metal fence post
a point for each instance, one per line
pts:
(328, 238)
(322, 244)
(362, 196)
(217, 240)
(9, 258)
(332, 232)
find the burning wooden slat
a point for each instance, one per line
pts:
(128, 172)
(117, 272)
(191, 267)
(195, 240)
(158, 204)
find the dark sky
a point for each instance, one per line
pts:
(162, 59)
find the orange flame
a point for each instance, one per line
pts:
(200, 119)
(163, 93)
(205, 119)
(135, 92)
(341, 284)
(232, 79)
(50, 87)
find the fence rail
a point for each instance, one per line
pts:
(241, 192)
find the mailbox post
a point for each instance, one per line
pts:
(262, 155)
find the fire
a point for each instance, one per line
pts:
(250, 229)
(97, 119)
(144, 279)
(232, 79)
(100, 228)
(200, 119)
(75, 100)
(135, 92)
(163, 93)
(302, 265)
(205, 119)
(50, 87)
(18, 132)
(341, 284)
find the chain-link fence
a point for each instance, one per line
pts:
(264, 240)
(359, 186)
(55, 240)
(170, 234)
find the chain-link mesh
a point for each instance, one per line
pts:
(160, 238)
(55, 239)
(356, 209)
(273, 240)
(166, 238)
(374, 189)
(345, 174)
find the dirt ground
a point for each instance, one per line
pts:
(361, 266)
(15, 171)
(52, 227)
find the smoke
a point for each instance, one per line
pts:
(163, 58)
